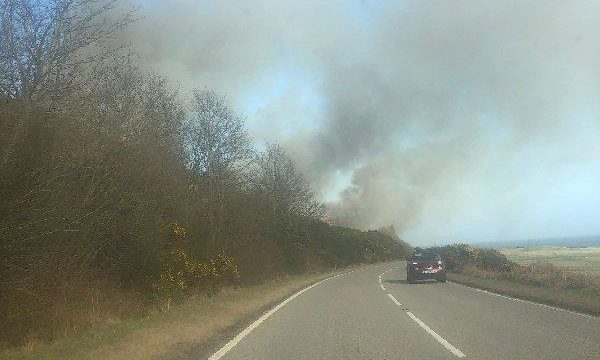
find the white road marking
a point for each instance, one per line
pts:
(233, 342)
(383, 273)
(440, 339)
(394, 300)
(382, 287)
(527, 301)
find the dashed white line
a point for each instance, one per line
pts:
(440, 339)
(233, 342)
(435, 335)
(382, 287)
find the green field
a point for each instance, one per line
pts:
(581, 259)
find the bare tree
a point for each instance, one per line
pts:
(217, 140)
(284, 185)
(45, 48)
(45, 44)
(219, 148)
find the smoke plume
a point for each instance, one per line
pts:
(445, 118)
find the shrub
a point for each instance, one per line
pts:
(182, 271)
(459, 256)
(491, 259)
(491, 264)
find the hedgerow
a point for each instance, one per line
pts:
(120, 195)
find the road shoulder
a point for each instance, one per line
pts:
(572, 300)
(185, 331)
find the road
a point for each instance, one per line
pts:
(359, 316)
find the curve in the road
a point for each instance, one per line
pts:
(356, 317)
(233, 342)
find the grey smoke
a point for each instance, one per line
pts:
(454, 118)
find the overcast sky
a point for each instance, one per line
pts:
(452, 120)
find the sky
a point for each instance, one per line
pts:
(451, 120)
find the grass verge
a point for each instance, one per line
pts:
(186, 329)
(578, 300)
(579, 259)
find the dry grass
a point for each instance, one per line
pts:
(55, 305)
(542, 274)
(582, 259)
(569, 299)
(541, 282)
(191, 326)
(545, 274)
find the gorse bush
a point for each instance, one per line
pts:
(182, 273)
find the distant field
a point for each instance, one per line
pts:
(581, 259)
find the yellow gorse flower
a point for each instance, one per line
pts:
(182, 271)
(178, 230)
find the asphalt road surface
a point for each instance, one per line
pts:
(374, 314)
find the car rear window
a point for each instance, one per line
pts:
(424, 256)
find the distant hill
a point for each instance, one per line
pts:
(578, 241)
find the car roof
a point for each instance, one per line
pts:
(425, 253)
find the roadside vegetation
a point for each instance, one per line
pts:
(188, 329)
(121, 198)
(586, 259)
(539, 281)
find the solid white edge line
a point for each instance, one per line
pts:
(527, 301)
(394, 299)
(233, 342)
(440, 339)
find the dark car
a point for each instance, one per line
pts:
(425, 264)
